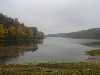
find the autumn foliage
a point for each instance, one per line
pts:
(12, 29)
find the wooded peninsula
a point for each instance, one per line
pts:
(12, 29)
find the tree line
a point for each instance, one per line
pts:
(12, 29)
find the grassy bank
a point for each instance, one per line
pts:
(95, 52)
(84, 68)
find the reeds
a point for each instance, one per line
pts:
(52, 69)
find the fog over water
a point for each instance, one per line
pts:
(51, 50)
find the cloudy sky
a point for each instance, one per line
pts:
(54, 16)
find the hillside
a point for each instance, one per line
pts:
(93, 33)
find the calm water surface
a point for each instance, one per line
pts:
(52, 50)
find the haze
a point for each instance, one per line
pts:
(54, 16)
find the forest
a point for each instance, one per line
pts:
(12, 29)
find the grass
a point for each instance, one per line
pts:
(95, 52)
(82, 68)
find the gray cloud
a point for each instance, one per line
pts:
(54, 16)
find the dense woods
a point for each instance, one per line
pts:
(12, 29)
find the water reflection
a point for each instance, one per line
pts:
(12, 49)
(92, 44)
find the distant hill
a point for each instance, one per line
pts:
(93, 33)
(55, 35)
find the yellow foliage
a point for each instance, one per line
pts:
(2, 31)
(13, 30)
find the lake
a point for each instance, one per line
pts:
(51, 50)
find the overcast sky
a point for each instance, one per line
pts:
(54, 16)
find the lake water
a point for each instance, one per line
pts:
(51, 50)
